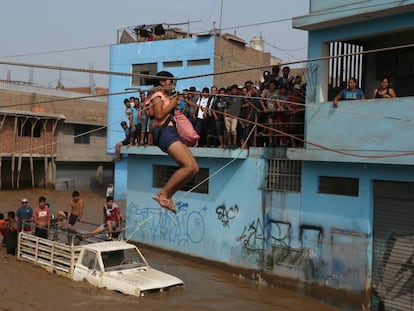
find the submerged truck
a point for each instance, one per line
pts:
(115, 265)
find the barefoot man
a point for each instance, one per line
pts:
(75, 211)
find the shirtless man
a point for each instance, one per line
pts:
(75, 211)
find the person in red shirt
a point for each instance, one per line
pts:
(112, 220)
(41, 217)
(3, 227)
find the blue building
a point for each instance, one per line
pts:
(141, 51)
(338, 212)
(357, 166)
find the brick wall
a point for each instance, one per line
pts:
(79, 111)
(231, 55)
(12, 143)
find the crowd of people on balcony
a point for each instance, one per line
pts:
(231, 117)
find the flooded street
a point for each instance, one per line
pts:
(26, 287)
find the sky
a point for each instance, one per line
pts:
(34, 31)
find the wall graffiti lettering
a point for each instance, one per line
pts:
(280, 252)
(252, 240)
(226, 214)
(396, 284)
(270, 243)
(183, 227)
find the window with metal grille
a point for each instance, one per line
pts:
(162, 173)
(284, 175)
(82, 135)
(198, 62)
(143, 69)
(178, 63)
(339, 185)
(341, 68)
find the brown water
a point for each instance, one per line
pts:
(26, 287)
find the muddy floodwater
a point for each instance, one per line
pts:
(27, 287)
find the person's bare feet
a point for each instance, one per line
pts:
(168, 204)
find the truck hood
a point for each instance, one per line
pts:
(145, 279)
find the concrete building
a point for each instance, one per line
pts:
(183, 55)
(52, 138)
(359, 184)
(337, 213)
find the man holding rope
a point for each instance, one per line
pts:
(112, 220)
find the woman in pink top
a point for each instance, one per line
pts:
(166, 138)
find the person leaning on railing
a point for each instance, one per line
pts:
(385, 90)
(352, 92)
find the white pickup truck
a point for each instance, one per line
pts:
(115, 265)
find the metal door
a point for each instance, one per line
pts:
(393, 246)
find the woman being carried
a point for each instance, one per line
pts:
(166, 138)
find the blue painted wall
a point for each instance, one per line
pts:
(123, 56)
(346, 248)
(347, 11)
(369, 131)
(311, 236)
(216, 226)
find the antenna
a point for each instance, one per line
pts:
(31, 75)
(221, 15)
(92, 88)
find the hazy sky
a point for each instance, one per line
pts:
(31, 27)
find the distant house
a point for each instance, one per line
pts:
(50, 138)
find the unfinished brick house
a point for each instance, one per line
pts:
(52, 138)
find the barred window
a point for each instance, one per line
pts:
(284, 175)
(162, 173)
(339, 185)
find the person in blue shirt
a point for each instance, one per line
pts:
(352, 92)
(24, 214)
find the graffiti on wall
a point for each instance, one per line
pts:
(252, 240)
(225, 214)
(280, 251)
(271, 243)
(183, 227)
(396, 285)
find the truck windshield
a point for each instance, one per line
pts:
(122, 259)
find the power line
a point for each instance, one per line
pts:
(227, 28)
(311, 14)
(127, 74)
(58, 51)
(309, 60)
(67, 99)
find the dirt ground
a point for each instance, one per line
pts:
(27, 287)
